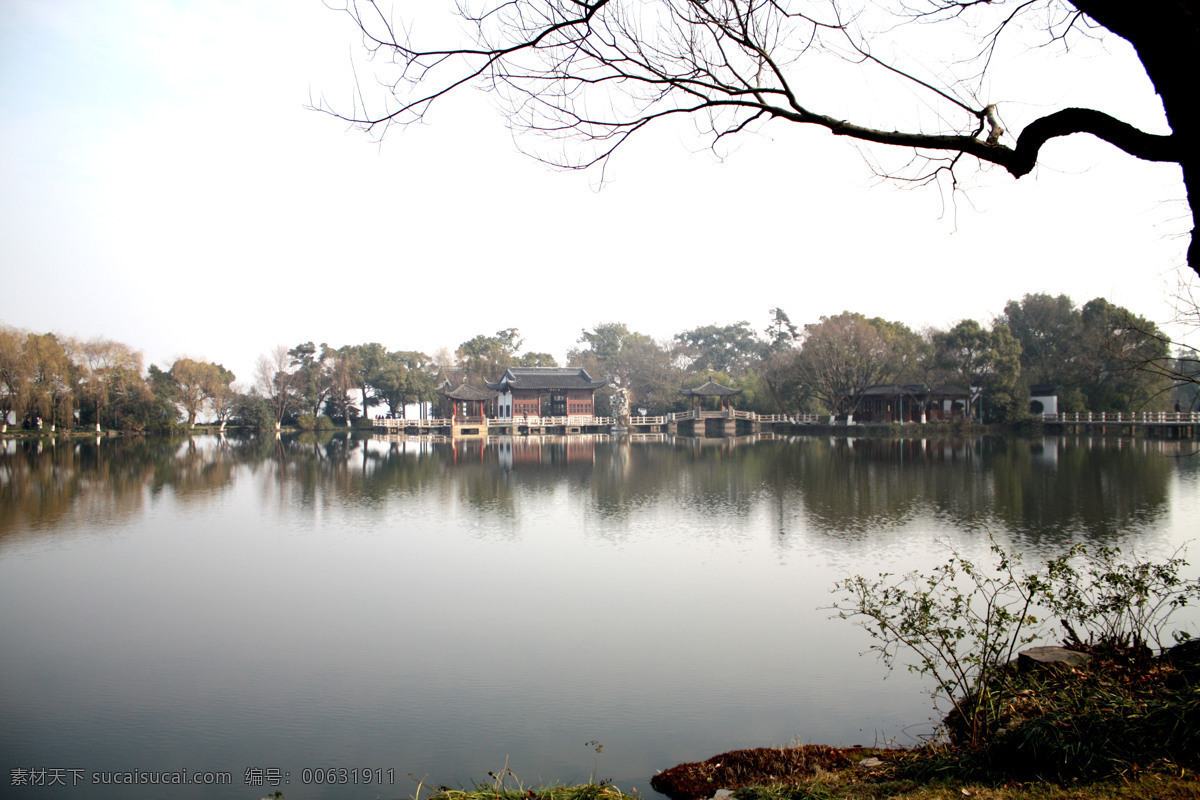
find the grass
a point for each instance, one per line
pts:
(583, 791)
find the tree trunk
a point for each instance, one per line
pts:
(1166, 37)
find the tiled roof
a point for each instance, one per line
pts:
(710, 389)
(468, 393)
(892, 389)
(545, 378)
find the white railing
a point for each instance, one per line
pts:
(682, 416)
(1127, 418)
(1083, 417)
(522, 421)
(411, 423)
(794, 419)
(553, 422)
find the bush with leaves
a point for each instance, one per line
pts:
(1117, 601)
(964, 623)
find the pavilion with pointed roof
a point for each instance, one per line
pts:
(465, 398)
(711, 388)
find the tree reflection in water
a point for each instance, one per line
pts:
(1048, 491)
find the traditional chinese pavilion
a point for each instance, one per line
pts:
(711, 388)
(545, 391)
(467, 400)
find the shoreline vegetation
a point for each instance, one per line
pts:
(1112, 713)
(857, 430)
(861, 773)
(1043, 355)
(1123, 725)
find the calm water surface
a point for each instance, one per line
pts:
(436, 610)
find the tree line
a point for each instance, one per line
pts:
(1099, 357)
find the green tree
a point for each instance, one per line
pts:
(163, 413)
(366, 362)
(1008, 397)
(781, 333)
(1120, 350)
(311, 375)
(782, 388)
(846, 354)
(975, 358)
(190, 378)
(252, 410)
(406, 376)
(532, 359)
(485, 358)
(729, 349)
(629, 360)
(1048, 329)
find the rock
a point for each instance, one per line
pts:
(700, 779)
(870, 762)
(1184, 654)
(1049, 656)
(1185, 658)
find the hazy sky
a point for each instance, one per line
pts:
(165, 186)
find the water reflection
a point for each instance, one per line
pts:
(1046, 491)
(441, 606)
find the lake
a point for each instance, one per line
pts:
(269, 609)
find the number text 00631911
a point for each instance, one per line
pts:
(355, 775)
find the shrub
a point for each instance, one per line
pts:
(965, 624)
(1118, 602)
(961, 622)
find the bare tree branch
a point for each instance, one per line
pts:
(587, 75)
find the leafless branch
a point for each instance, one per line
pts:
(586, 76)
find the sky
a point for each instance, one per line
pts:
(166, 185)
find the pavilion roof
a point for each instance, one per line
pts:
(467, 392)
(893, 389)
(710, 389)
(545, 378)
(915, 389)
